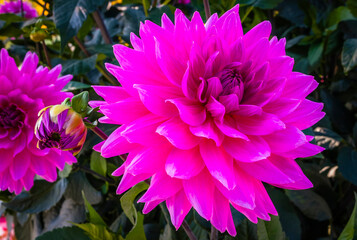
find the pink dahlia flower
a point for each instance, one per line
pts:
(208, 113)
(183, 1)
(16, 6)
(23, 93)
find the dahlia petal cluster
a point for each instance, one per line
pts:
(60, 127)
(16, 6)
(23, 93)
(208, 114)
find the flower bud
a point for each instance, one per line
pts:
(38, 36)
(60, 127)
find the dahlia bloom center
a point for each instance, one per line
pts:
(11, 116)
(232, 83)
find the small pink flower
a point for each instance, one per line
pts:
(23, 93)
(16, 6)
(208, 113)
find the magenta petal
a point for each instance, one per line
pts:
(306, 114)
(262, 30)
(178, 206)
(116, 145)
(305, 150)
(122, 111)
(154, 99)
(259, 124)
(221, 170)
(148, 160)
(178, 134)
(151, 205)
(202, 202)
(208, 130)
(191, 112)
(6, 159)
(162, 186)
(128, 180)
(299, 86)
(221, 210)
(20, 165)
(111, 94)
(286, 139)
(247, 151)
(184, 164)
(216, 109)
(265, 171)
(144, 128)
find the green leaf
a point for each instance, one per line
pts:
(350, 230)
(64, 233)
(349, 54)
(266, 4)
(98, 163)
(338, 15)
(352, 6)
(310, 204)
(315, 53)
(80, 102)
(70, 15)
(247, 230)
(127, 200)
(98, 232)
(94, 217)
(78, 66)
(42, 196)
(270, 230)
(78, 183)
(355, 133)
(137, 232)
(341, 118)
(289, 219)
(66, 171)
(73, 86)
(347, 164)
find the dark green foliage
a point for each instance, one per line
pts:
(321, 37)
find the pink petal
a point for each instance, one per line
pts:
(306, 114)
(154, 97)
(208, 130)
(216, 109)
(259, 124)
(286, 139)
(149, 160)
(178, 206)
(221, 210)
(144, 128)
(116, 144)
(247, 151)
(20, 165)
(299, 85)
(229, 128)
(184, 164)
(178, 134)
(262, 30)
(191, 112)
(122, 111)
(200, 191)
(162, 186)
(111, 94)
(265, 171)
(218, 162)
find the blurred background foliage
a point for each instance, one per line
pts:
(321, 36)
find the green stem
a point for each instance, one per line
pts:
(207, 9)
(103, 29)
(46, 54)
(247, 13)
(214, 233)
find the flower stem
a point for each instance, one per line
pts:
(100, 23)
(188, 230)
(101, 69)
(46, 54)
(214, 233)
(207, 9)
(247, 13)
(90, 171)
